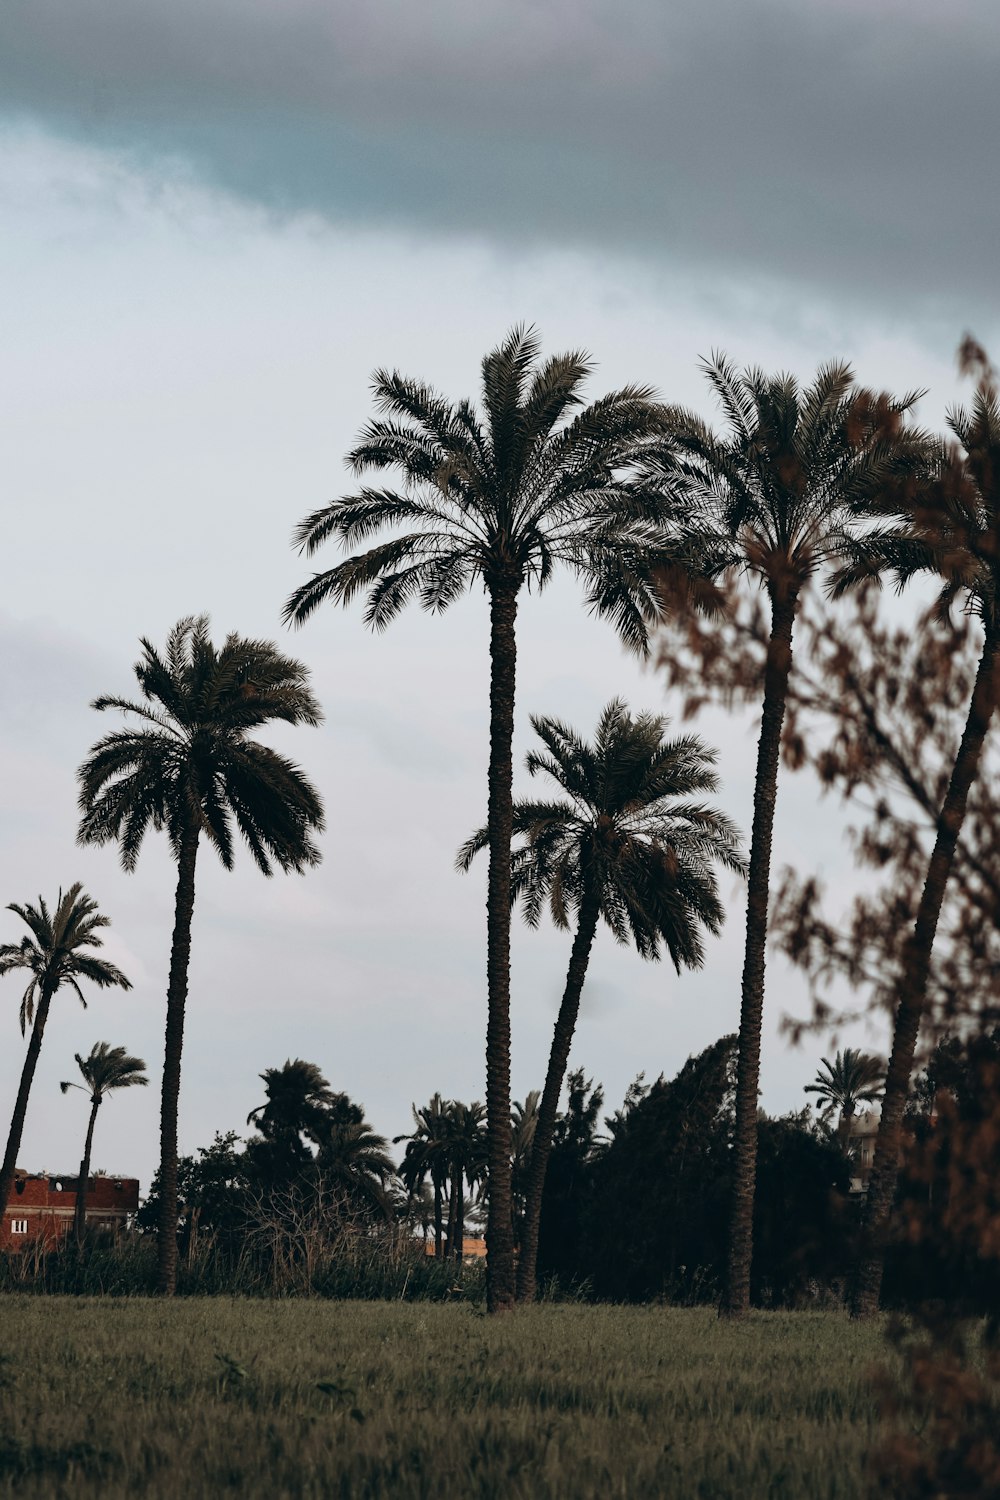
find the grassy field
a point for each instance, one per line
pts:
(202, 1397)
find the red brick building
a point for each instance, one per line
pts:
(43, 1207)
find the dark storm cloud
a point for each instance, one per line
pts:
(842, 142)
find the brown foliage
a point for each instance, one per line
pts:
(941, 1413)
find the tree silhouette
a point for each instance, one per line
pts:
(627, 847)
(523, 1123)
(189, 767)
(426, 1156)
(466, 1153)
(55, 954)
(354, 1158)
(104, 1070)
(298, 1097)
(853, 1078)
(774, 500)
(498, 498)
(948, 526)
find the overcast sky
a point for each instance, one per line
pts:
(218, 219)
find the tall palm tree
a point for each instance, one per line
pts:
(853, 1078)
(55, 954)
(186, 764)
(629, 847)
(949, 527)
(104, 1070)
(497, 498)
(426, 1156)
(773, 499)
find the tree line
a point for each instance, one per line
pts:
(663, 520)
(634, 1205)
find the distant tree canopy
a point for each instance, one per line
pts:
(643, 1214)
(310, 1140)
(635, 1204)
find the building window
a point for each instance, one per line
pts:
(18, 1226)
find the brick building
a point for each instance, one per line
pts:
(43, 1207)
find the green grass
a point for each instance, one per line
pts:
(206, 1396)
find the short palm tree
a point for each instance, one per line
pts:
(629, 847)
(186, 764)
(853, 1078)
(948, 526)
(55, 954)
(104, 1070)
(426, 1156)
(774, 499)
(498, 498)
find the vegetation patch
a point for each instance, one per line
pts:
(122, 1397)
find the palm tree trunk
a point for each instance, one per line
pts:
(438, 1215)
(736, 1295)
(452, 1215)
(460, 1222)
(81, 1187)
(21, 1102)
(913, 987)
(499, 823)
(541, 1146)
(180, 953)
(844, 1130)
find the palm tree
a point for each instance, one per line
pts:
(298, 1097)
(426, 1156)
(627, 847)
(773, 500)
(853, 1078)
(53, 955)
(523, 1123)
(948, 526)
(466, 1153)
(189, 766)
(104, 1070)
(499, 498)
(354, 1158)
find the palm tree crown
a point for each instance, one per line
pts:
(776, 495)
(627, 830)
(536, 479)
(53, 955)
(189, 764)
(297, 1097)
(106, 1069)
(949, 525)
(853, 1078)
(355, 1158)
